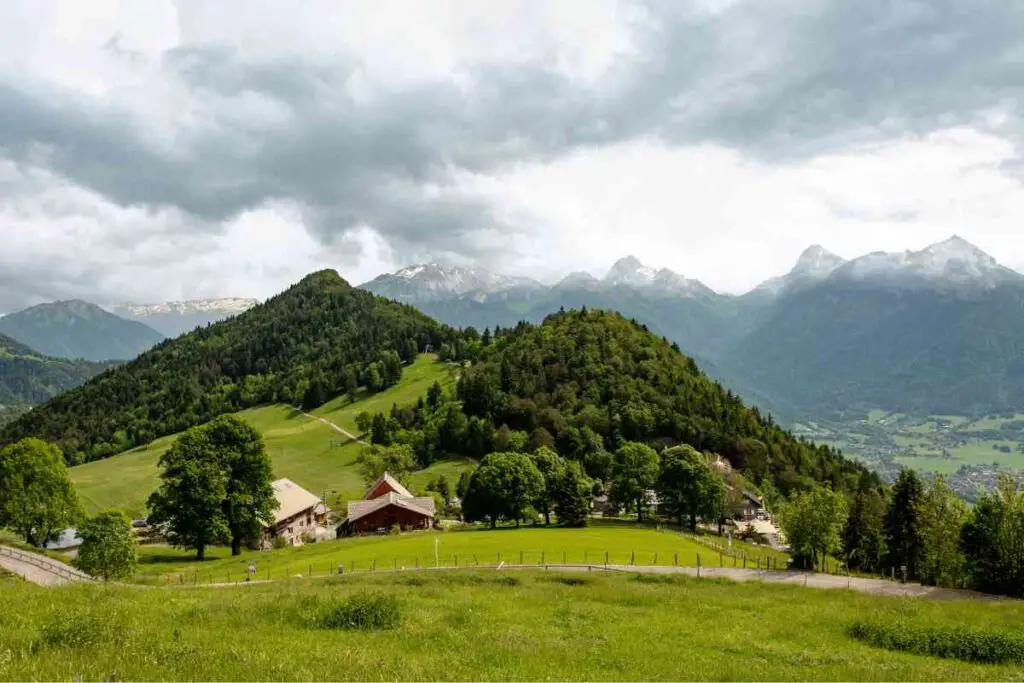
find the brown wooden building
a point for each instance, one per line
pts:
(386, 504)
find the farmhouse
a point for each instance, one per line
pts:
(386, 504)
(298, 513)
(752, 506)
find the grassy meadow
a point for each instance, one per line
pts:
(477, 625)
(305, 450)
(622, 541)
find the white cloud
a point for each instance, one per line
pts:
(171, 149)
(710, 213)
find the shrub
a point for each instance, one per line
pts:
(78, 631)
(969, 645)
(365, 612)
(395, 530)
(280, 542)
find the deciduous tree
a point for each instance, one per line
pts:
(688, 487)
(399, 461)
(634, 473)
(109, 549)
(813, 523)
(941, 515)
(571, 495)
(37, 500)
(552, 467)
(992, 540)
(504, 487)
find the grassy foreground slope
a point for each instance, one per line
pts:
(623, 542)
(476, 626)
(305, 450)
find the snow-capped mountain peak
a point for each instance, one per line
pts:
(629, 271)
(232, 305)
(817, 261)
(954, 261)
(431, 281)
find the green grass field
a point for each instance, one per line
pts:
(476, 625)
(302, 449)
(622, 541)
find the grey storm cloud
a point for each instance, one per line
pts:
(777, 80)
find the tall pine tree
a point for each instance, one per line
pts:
(902, 528)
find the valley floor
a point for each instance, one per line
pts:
(476, 625)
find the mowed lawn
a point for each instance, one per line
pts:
(478, 625)
(623, 543)
(305, 450)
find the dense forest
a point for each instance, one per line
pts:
(319, 338)
(583, 383)
(27, 377)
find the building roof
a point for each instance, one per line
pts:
(291, 499)
(423, 505)
(391, 482)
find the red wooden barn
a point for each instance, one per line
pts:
(386, 504)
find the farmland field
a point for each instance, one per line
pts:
(476, 625)
(622, 541)
(305, 450)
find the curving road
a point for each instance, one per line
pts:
(39, 569)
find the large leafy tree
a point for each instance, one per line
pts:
(634, 473)
(571, 495)
(992, 540)
(688, 488)
(399, 461)
(901, 528)
(37, 500)
(504, 487)
(109, 548)
(941, 515)
(813, 524)
(552, 467)
(249, 500)
(190, 500)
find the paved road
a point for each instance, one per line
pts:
(39, 569)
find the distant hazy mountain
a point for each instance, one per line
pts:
(434, 282)
(932, 331)
(78, 329)
(174, 318)
(27, 377)
(814, 265)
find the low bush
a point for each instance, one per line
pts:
(968, 645)
(78, 631)
(364, 612)
(569, 580)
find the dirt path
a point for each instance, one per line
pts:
(333, 426)
(823, 581)
(39, 569)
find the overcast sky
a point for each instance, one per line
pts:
(154, 150)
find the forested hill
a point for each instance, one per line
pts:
(319, 337)
(583, 373)
(28, 377)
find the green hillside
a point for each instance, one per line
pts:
(318, 339)
(303, 449)
(481, 626)
(28, 377)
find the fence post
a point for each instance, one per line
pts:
(632, 559)
(310, 570)
(655, 558)
(675, 559)
(396, 564)
(744, 560)
(476, 561)
(374, 564)
(542, 557)
(456, 560)
(520, 557)
(698, 565)
(606, 559)
(563, 557)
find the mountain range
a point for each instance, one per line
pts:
(939, 330)
(175, 318)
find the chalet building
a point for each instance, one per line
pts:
(752, 506)
(298, 512)
(386, 504)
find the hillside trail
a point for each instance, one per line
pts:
(333, 426)
(39, 569)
